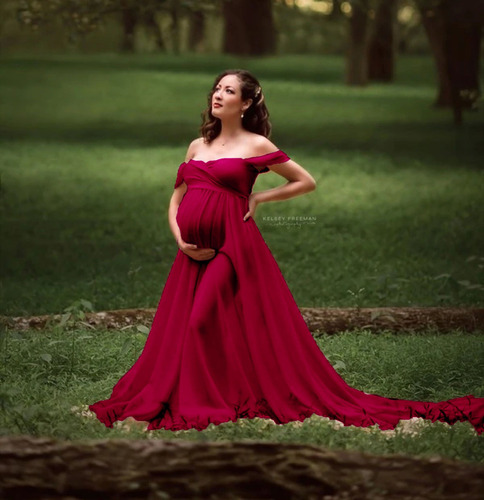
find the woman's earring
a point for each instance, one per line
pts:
(242, 115)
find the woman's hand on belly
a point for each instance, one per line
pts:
(194, 252)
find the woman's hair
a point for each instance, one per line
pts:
(256, 116)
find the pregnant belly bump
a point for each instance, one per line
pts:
(200, 219)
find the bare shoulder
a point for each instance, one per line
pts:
(193, 148)
(261, 145)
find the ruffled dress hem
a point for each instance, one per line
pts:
(449, 412)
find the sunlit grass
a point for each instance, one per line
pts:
(49, 378)
(90, 147)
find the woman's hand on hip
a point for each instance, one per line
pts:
(253, 202)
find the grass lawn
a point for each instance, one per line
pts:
(89, 149)
(49, 378)
(90, 146)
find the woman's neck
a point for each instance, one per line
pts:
(229, 131)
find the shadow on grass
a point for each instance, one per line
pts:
(78, 247)
(435, 144)
(330, 70)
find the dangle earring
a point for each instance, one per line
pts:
(242, 115)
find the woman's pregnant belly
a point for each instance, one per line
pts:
(201, 218)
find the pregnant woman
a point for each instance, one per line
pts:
(228, 340)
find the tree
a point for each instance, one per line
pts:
(131, 16)
(356, 60)
(454, 30)
(463, 24)
(249, 27)
(82, 17)
(381, 49)
(371, 46)
(197, 29)
(77, 17)
(434, 24)
(129, 21)
(336, 12)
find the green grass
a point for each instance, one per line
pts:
(43, 376)
(90, 146)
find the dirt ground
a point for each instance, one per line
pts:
(319, 320)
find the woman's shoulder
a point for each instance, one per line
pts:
(193, 148)
(260, 145)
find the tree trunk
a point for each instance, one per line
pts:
(463, 24)
(260, 30)
(129, 20)
(381, 49)
(149, 469)
(434, 25)
(356, 61)
(174, 10)
(149, 20)
(235, 40)
(197, 30)
(248, 27)
(336, 13)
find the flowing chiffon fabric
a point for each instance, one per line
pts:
(228, 340)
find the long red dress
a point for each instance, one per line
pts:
(228, 340)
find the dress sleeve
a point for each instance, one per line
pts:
(261, 162)
(179, 176)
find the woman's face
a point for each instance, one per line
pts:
(227, 98)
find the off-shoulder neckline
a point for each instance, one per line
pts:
(234, 157)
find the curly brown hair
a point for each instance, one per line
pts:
(256, 117)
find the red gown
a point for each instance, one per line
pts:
(228, 340)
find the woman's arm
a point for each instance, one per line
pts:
(188, 248)
(300, 181)
(175, 201)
